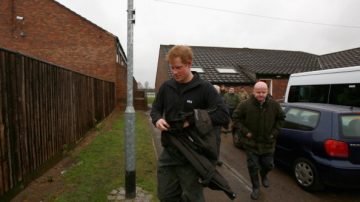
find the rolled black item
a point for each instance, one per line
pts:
(210, 177)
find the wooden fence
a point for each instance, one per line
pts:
(43, 109)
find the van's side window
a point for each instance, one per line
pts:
(309, 93)
(340, 86)
(340, 94)
(345, 94)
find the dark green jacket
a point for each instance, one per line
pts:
(263, 121)
(231, 100)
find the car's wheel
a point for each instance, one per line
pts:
(306, 175)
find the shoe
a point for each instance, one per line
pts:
(255, 194)
(265, 181)
(219, 163)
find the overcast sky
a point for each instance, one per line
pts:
(313, 26)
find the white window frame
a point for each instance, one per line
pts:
(197, 69)
(226, 70)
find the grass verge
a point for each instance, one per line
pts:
(100, 167)
(150, 100)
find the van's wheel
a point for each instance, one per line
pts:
(306, 175)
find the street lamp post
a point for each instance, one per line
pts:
(130, 175)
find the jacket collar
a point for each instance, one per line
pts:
(257, 103)
(195, 81)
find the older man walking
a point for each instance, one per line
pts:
(258, 121)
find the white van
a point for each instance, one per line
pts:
(335, 86)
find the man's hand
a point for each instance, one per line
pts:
(248, 135)
(186, 124)
(162, 125)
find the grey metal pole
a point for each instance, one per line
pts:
(130, 177)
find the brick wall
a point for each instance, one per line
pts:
(49, 31)
(121, 88)
(140, 101)
(162, 70)
(5, 21)
(279, 88)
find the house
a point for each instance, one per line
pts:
(49, 31)
(244, 66)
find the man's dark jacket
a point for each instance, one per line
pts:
(171, 101)
(263, 121)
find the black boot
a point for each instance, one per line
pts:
(255, 194)
(264, 179)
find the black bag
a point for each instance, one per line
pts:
(202, 122)
(204, 136)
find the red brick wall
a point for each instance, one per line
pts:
(121, 90)
(53, 33)
(279, 88)
(162, 70)
(140, 101)
(248, 88)
(62, 37)
(5, 21)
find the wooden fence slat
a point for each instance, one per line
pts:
(36, 75)
(2, 124)
(22, 142)
(41, 114)
(13, 128)
(29, 114)
(52, 78)
(6, 161)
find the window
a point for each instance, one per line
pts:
(301, 119)
(226, 70)
(310, 93)
(197, 69)
(345, 94)
(118, 58)
(340, 94)
(350, 125)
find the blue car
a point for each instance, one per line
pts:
(321, 145)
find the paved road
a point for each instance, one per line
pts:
(282, 188)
